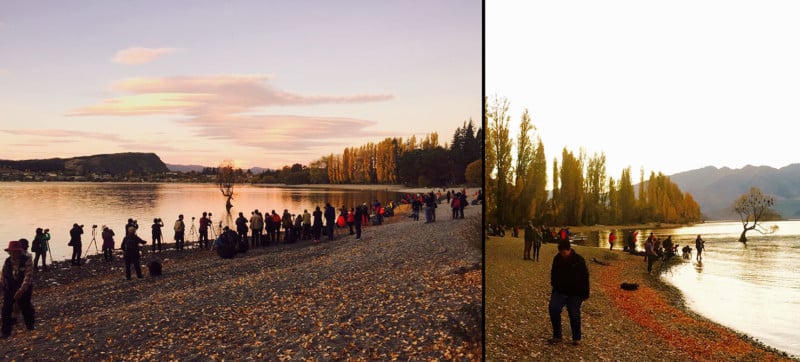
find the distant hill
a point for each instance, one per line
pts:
(715, 189)
(113, 164)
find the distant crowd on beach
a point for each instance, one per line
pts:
(323, 223)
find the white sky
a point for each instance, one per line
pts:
(669, 86)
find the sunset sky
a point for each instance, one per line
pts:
(263, 83)
(666, 86)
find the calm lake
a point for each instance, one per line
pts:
(753, 288)
(57, 206)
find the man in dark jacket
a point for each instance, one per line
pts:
(330, 220)
(357, 219)
(569, 278)
(130, 247)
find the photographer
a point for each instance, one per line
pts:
(132, 222)
(205, 222)
(179, 228)
(75, 242)
(130, 247)
(108, 243)
(39, 247)
(157, 225)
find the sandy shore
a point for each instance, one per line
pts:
(408, 290)
(648, 324)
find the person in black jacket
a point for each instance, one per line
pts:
(330, 220)
(75, 243)
(130, 246)
(358, 217)
(569, 278)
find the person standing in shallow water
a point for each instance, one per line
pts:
(612, 238)
(699, 244)
(569, 278)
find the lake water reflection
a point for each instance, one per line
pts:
(753, 288)
(26, 206)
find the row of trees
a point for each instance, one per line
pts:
(582, 193)
(413, 162)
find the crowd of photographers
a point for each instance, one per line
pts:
(260, 230)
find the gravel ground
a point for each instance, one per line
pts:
(649, 324)
(408, 291)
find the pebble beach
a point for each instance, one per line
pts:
(648, 324)
(408, 290)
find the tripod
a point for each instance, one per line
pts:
(193, 232)
(214, 232)
(94, 241)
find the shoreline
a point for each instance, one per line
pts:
(332, 300)
(651, 323)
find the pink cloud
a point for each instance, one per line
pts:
(140, 55)
(3, 71)
(225, 107)
(55, 135)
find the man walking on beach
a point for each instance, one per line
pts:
(569, 278)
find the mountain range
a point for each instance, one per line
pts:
(716, 189)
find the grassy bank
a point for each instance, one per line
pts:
(648, 324)
(408, 290)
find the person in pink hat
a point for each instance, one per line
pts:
(16, 283)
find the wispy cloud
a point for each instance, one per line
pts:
(140, 55)
(60, 135)
(3, 71)
(226, 107)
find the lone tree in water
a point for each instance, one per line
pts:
(754, 207)
(226, 178)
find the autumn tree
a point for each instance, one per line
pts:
(571, 195)
(497, 138)
(595, 185)
(626, 199)
(537, 180)
(752, 207)
(473, 174)
(523, 193)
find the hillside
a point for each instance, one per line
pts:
(715, 189)
(113, 164)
